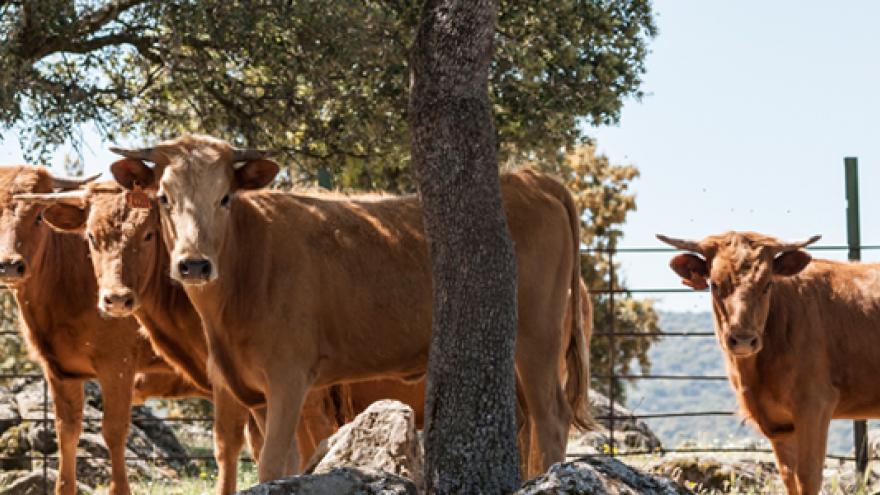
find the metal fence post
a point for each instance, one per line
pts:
(45, 429)
(325, 180)
(854, 242)
(612, 352)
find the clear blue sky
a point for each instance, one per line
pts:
(750, 108)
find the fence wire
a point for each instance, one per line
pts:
(607, 330)
(611, 376)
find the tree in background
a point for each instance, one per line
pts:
(326, 82)
(602, 192)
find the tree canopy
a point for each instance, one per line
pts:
(326, 82)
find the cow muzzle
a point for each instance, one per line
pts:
(195, 270)
(742, 344)
(12, 269)
(117, 303)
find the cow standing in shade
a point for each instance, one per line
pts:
(133, 277)
(51, 277)
(800, 337)
(298, 291)
(133, 272)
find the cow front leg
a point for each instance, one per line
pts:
(283, 404)
(785, 449)
(68, 398)
(811, 431)
(229, 420)
(117, 390)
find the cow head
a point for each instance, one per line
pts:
(23, 234)
(122, 230)
(740, 268)
(196, 180)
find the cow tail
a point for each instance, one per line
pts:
(577, 355)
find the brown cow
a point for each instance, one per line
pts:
(799, 336)
(297, 291)
(51, 277)
(133, 277)
(132, 269)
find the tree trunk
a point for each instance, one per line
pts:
(470, 433)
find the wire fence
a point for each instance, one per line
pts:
(611, 377)
(605, 330)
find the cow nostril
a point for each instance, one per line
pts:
(754, 342)
(20, 268)
(183, 267)
(129, 303)
(108, 301)
(731, 342)
(206, 270)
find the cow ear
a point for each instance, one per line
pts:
(64, 217)
(791, 262)
(692, 269)
(255, 174)
(129, 172)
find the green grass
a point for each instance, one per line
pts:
(204, 482)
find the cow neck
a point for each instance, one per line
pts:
(60, 272)
(752, 377)
(244, 264)
(59, 288)
(228, 301)
(173, 323)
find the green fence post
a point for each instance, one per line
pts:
(854, 242)
(325, 180)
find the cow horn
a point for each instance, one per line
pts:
(785, 247)
(145, 154)
(77, 197)
(70, 183)
(246, 155)
(683, 244)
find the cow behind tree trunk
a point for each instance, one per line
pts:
(470, 436)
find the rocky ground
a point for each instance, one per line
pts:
(23, 443)
(381, 452)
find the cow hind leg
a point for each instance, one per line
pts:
(284, 401)
(229, 420)
(68, 398)
(255, 435)
(549, 413)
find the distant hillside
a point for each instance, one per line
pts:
(699, 356)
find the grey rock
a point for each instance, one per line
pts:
(712, 474)
(33, 483)
(9, 416)
(15, 449)
(341, 481)
(381, 438)
(629, 433)
(600, 476)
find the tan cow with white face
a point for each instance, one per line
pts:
(801, 338)
(298, 290)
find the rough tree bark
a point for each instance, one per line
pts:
(470, 435)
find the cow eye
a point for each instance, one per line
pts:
(148, 237)
(163, 199)
(92, 239)
(225, 201)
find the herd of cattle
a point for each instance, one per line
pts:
(294, 311)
